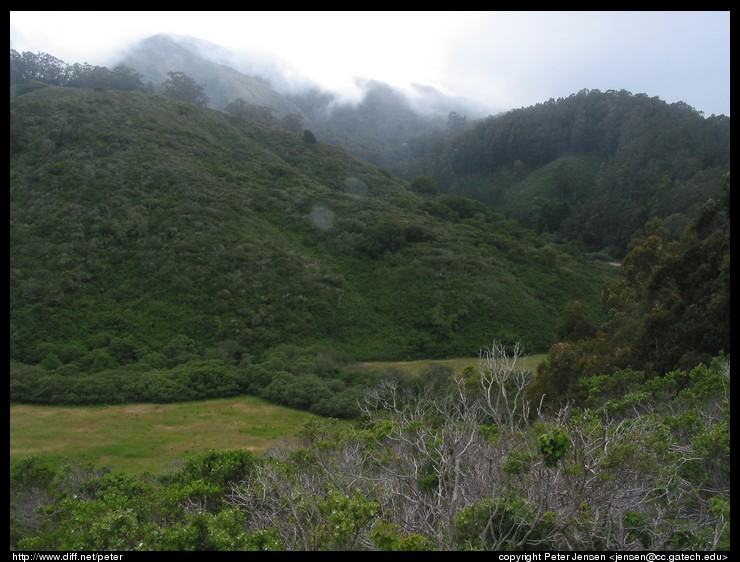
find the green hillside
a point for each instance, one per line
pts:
(150, 231)
(162, 251)
(592, 168)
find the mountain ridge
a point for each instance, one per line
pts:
(154, 56)
(157, 55)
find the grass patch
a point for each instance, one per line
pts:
(149, 437)
(457, 364)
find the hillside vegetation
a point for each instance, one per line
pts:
(147, 232)
(591, 168)
(162, 251)
(457, 468)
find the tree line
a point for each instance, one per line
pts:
(47, 69)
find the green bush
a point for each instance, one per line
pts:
(553, 445)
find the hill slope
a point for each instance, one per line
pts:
(374, 127)
(592, 167)
(159, 54)
(142, 226)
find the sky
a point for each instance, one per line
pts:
(502, 60)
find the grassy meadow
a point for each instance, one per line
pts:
(148, 437)
(457, 364)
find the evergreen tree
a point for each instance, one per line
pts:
(181, 87)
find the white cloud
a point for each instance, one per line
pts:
(503, 59)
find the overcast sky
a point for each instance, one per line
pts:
(503, 60)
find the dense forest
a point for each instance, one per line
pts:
(164, 251)
(591, 168)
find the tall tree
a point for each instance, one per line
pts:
(669, 310)
(42, 67)
(181, 87)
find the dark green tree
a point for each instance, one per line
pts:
(424, 185)
(126, 78)
(456, 123)
(309, 137)
(669, 310)
(181, 87)
(687, 297)
(88, 76)
(41, 66)
(573, 324)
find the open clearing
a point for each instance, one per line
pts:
(149, 437)
(153, 437)
(457, 364)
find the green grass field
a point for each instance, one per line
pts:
(151, 437)
(530, 362)
(148, 437)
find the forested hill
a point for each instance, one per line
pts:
(149, 231)
(593, 167)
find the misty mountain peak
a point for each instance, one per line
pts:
(202, 61)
